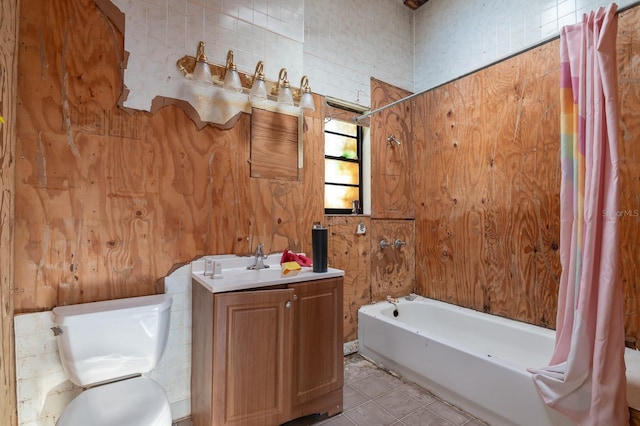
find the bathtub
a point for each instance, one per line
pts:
(475, 361)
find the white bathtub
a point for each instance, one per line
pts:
(473, 360)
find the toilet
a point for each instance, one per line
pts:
(105, 347)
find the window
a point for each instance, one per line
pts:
(342, 165)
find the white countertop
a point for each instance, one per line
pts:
(236, 276)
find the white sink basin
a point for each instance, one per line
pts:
(236, 276)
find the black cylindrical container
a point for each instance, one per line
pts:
(319, 242)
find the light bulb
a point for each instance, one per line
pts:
(232, 81)
(285, 97)
(306, 101)
(258, 91)
(202, 73)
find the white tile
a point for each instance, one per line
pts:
(195, 24)
(176, 284)
(230, 8)
(181, 409)
(35, 345)
(33, 366)
(566, 7)
(245, 14)
(37, 323)
(45, 396)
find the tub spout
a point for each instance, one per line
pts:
(393, 301)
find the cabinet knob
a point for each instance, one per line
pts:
(288, 304)
(295, 297)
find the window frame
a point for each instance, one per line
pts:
(359, 142)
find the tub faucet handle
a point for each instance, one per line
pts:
(384, 244)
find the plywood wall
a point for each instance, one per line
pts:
(109, 201)
(393, 268)
(391, 162)
(349, 251)
(8, 89)
(629, 160)
(487, 185)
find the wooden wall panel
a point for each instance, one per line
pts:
(274, 145)
(350, 252)
(487, 188)
(629, 160)
(487, 185)
(108, 202)
(392, 269)
(391, 164)
(8, 89)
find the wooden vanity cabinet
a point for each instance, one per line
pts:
(318, 369)
(266, 356)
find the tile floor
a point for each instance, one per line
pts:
(373, 397)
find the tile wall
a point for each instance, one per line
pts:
(456, 37)
(340, 45)
(43, 388)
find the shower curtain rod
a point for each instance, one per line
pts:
(538, 44)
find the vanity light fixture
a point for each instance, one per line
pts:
(304, 94)
(231, 77)
(282, 89)
(201, 70)
(217, 93)
(258, 91)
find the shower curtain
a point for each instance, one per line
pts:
(585, 379)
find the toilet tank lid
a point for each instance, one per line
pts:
(62, 315)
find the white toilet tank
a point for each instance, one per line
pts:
(102, 341)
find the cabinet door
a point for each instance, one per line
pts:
(317, 342)
(252, 357)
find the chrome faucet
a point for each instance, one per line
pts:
(259, 261)
(399, 243)
(384, 244)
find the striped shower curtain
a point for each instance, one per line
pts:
(585, 379)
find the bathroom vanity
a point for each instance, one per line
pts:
(266, 347)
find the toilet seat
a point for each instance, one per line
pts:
(132, 402)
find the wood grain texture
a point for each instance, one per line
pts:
(8, 90)
(241, 321)
(350, 252)
(634, 417)
(487, 182)
(391, 164)
(393, 268)
(274, 145)
(628, 49)
(202, 354)
(318, 369)
(107, 201)
(487, 188)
